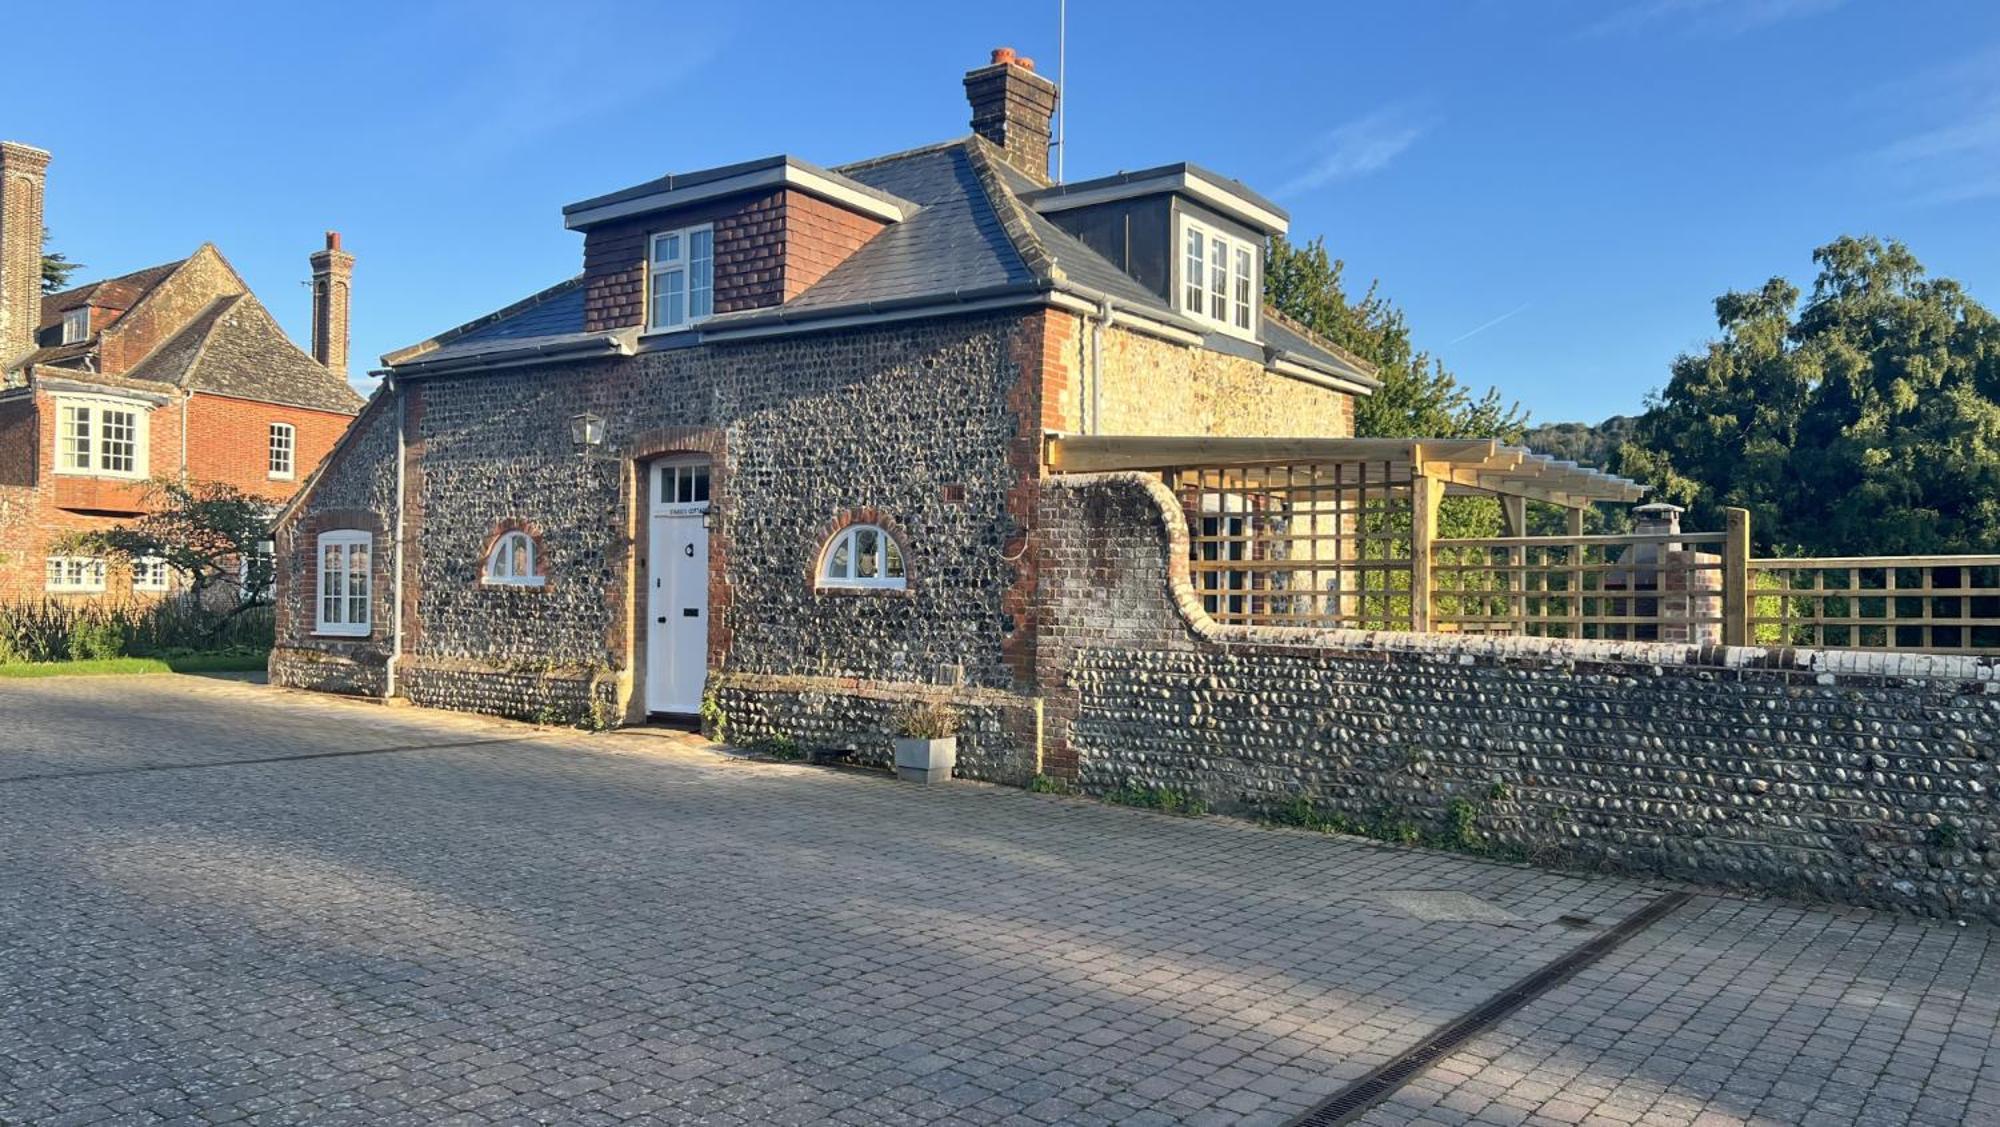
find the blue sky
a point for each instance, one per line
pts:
(1554, 190)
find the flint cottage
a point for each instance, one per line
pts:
(778, 448)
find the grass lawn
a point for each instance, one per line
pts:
(101, 667)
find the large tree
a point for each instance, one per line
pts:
(1863, 420)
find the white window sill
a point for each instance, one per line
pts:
(531, 584)
(280, 477)
(108, 475)
(337, 632)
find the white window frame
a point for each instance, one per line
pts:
(74, 575)
(838, 571)
(682, 264)
(282, 468)
(90, 458)
(75, 324)
(266, 553)
(505, 569)
(333, 586)
(150, 574)
(1209, 285)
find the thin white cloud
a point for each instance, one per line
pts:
(1955, 155)
(1495, 321)
(1366, 144)
(1706, 17)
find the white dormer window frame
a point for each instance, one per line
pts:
(680, 278)
(1219, 284)
(75, 324)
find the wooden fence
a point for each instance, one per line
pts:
(1927, 604)
(1343, 546)
(1627, 588)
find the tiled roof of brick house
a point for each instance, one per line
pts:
(231, 345)
(235, 348)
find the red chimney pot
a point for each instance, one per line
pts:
(1003, 54)
(333, 240)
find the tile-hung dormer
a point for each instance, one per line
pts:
(665, 255)
(1189, 235)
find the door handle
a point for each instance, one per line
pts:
(663, 618)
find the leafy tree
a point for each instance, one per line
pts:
(56, 267)
(1863, 420)
(208, 532)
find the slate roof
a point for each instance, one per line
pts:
(971, 234)
(235, 348)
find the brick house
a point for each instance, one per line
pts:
(176, 370)
(779, 445)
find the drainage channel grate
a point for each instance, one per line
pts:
(1347, 1104)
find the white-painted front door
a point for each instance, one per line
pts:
(677, 586)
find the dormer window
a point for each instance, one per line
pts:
(680, 278)
(1219, 279)
(76, 324)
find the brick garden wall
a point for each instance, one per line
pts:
(1832, 775)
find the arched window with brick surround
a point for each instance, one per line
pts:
(511, 562)
(863, 557)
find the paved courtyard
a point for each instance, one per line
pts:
(227, 903)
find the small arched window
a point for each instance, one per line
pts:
(511, 563)
(862, 556)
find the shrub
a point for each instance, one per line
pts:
(49, 630)
(93, 638)
(927, 720)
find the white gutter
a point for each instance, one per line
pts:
(1188, 183)
(785, 174)
(1097, 328)
(1319, 379)
(402, 502)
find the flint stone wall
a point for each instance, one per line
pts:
(1863, 778)
(355, 488)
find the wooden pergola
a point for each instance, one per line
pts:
(1334, 529)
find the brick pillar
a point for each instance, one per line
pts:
(23, 173)
(1011, 107)
(333, 279)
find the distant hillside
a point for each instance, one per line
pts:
(1591, 445)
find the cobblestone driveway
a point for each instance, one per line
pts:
(404, 917)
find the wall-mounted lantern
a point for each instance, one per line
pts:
(586, 431)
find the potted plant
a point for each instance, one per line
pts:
(926, 741)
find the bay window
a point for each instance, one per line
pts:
(105, 438)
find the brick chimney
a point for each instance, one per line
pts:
(333, 279)
(23, 173)
(1011, 107)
